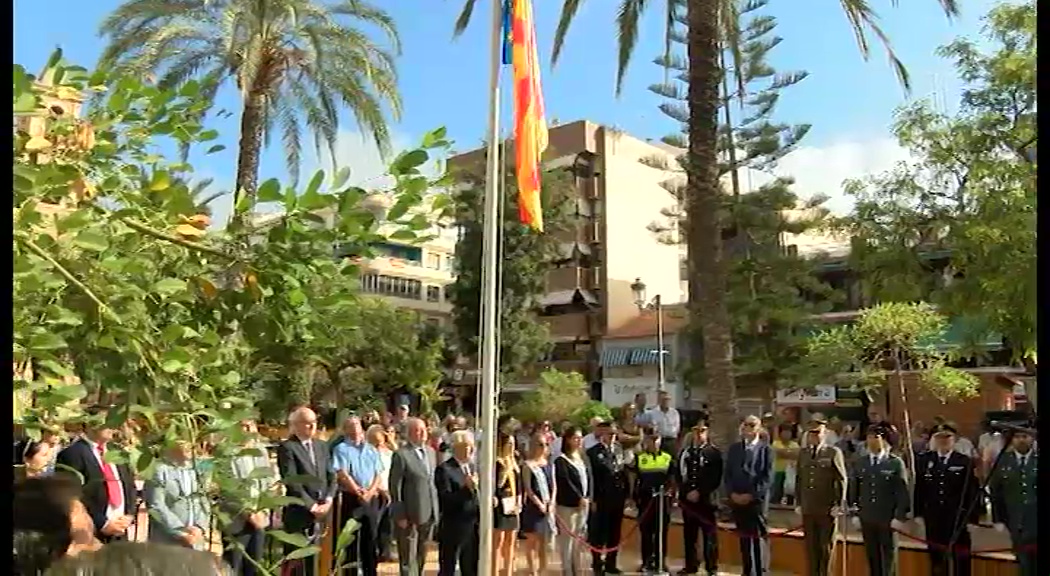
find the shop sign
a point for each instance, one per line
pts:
(821, 394)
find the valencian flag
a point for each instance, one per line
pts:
(530, 127)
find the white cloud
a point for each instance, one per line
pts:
(360, 154)
(368, 169)
(822, 169)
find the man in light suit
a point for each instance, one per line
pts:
(179, 513)
(244, 535)
(413, 497)
(301, 455)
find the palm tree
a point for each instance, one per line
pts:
(711, 26)
(295, 63)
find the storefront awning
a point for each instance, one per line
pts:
(615, 357)
(647, 356)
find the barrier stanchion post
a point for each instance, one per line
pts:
(660, 571)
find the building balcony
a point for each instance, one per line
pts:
(571, 326)
(586, 231)
(433, 308)
(570, 277)
(405, 269)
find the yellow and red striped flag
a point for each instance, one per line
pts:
(530, 127)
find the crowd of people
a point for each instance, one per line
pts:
(559, 489)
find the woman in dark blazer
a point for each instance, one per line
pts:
(572, 486)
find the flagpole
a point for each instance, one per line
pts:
(489, 298)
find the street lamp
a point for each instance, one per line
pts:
(656, 305)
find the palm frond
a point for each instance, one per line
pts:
(569, 9)
(304, 60)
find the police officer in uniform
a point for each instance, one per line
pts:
(653, 471)
(609, 473)
(945, 490)
(699, 475)
(878, 491)
(820, 495)
(1015, 502)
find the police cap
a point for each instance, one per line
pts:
(880, 430)
(944, 430)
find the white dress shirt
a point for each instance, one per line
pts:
(667, 424)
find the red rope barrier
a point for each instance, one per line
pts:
(778, 533)
(705, 522)
(562, 529)
(963, 549)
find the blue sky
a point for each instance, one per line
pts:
(443, 82)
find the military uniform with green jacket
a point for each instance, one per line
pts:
(1015, 504)
(821, 486)
(878, 490)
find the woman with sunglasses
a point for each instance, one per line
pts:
(537, 515)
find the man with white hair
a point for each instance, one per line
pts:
(303, 457)
(591, 439)
(456, 480)
(413, 497)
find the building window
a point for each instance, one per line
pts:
(450, 263)
(434, 261)
(433, 294)
(384, 285)
(447, 293)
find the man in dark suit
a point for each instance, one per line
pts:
(307, 460)
(108, 489)
(945, 489)
(413, 497)
(748, 477)
(609, 473)
(456, 481)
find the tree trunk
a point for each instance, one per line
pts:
(909, 445)
(249, 146)
(713, 348)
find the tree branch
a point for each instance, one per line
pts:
(65, 273)
(135, 225)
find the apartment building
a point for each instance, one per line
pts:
(412, 276)
(409, 275)
(618, 196)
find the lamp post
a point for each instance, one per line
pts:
(656, 305)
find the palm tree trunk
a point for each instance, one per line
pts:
(250, 146)
(706, 268)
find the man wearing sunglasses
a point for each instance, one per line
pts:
(748, 478)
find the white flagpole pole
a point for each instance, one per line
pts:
(489, 298)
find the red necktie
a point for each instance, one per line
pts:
(116, 499)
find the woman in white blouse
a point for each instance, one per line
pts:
(383, 442)
(572, 486)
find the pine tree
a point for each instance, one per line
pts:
(773, 292)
